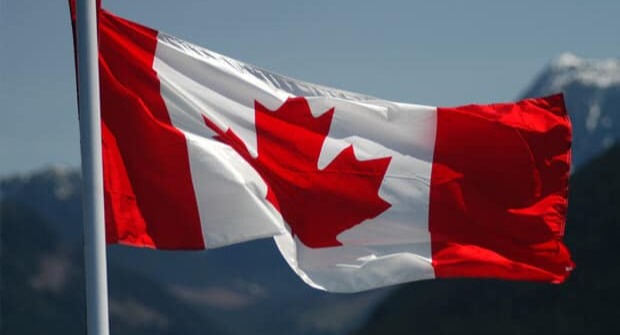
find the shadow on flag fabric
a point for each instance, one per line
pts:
(201, 151)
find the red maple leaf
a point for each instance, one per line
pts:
(318, 204)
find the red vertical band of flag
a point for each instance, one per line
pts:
(499, 189)
(145, 158)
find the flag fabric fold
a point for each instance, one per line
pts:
(201, 151)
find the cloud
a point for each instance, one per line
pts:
(240, 295)
(136, 314)
(52, 273)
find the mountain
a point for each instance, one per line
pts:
(248, 281)
(586, 304)
(592, 94)
(54, 193)
(43, 287)
(35, 275)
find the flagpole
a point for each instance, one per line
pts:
(92, 169)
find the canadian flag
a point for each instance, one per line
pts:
(201, 151)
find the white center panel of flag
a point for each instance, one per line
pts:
(232, 194)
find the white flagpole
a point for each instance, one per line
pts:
(92, 169)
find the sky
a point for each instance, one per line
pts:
(426, 52)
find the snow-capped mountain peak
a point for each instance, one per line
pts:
(61, 180)
(591, 89)
(568, 68)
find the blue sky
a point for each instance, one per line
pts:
(426, 52)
